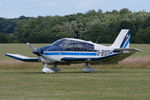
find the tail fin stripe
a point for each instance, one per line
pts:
(122, 40)
(128, 41)
(125, 39)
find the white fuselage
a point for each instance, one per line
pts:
(99, 52)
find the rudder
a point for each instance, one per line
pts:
(122, 40)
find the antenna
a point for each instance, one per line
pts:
(97, 39)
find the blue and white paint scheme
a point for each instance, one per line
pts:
(70, 50)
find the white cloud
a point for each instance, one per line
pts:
(87, 3)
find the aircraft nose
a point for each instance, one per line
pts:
(38, 52)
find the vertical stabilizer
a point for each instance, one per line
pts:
(122, 40)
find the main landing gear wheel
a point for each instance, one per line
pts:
(48, 70)
(87, 68)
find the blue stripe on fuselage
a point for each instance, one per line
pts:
(98, 58)
(71, 53)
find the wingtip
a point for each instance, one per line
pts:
(138, 50)
(7, 54)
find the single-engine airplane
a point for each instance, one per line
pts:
(69, 50)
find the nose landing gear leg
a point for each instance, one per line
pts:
(47, 70)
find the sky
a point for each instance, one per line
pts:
(35, 8)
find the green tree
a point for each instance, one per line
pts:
(125, 11)
(114, 12)
(86, 26)
(3, 38)
(144, 35)
(77, 29)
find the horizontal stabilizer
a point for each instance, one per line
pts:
(23, 58)
(130, 50)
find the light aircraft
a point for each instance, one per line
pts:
(66, 51)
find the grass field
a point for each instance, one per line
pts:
(17, 48)
(71, 84)
(130, 80)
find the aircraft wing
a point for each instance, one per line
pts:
(130, 50)
(22, 58)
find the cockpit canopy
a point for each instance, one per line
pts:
(73, 45)
(66, 45)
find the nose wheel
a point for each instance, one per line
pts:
(48, 70)
(87, 68)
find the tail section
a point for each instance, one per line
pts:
(122, 40)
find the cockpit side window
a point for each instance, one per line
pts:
(78, 46)
(81, 46)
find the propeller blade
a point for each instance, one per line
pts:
(31, 46)
(37, 52)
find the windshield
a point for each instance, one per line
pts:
(58, 42)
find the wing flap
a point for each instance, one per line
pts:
(22, 58)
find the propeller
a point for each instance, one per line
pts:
(31, 46)
(38, 52)
(43, 59)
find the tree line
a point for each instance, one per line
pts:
(88, 26)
